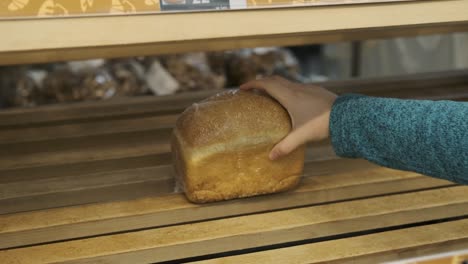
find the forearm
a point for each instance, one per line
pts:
(423, 136)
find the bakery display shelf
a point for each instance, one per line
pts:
(93, 182)
(70, 38)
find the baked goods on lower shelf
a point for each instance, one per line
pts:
(220, 148)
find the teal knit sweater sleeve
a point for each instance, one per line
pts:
(428, 137)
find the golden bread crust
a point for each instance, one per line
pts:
(220, 148)
(230, 115)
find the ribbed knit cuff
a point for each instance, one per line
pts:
(343, 125)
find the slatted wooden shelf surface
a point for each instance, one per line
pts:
(93, 183)
(385, 246)
(56, 39)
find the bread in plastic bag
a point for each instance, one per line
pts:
(220, 148)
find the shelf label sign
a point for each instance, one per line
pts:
(182, 5)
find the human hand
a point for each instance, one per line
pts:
(309, 107)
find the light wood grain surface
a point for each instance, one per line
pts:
(236, 233)
(375, 248)
(354, 179)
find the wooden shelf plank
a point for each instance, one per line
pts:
(320, 185)
(182, 241)
(86, 129)
(96, 111)
(374, 248)
(65, 183)
(39, 40)
(68, 151)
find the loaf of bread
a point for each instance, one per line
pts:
(220, 148)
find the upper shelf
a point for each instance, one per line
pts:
(42, 40)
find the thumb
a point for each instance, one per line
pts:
(292, 141)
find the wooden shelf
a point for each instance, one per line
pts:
(93, 183)
(55, 39)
